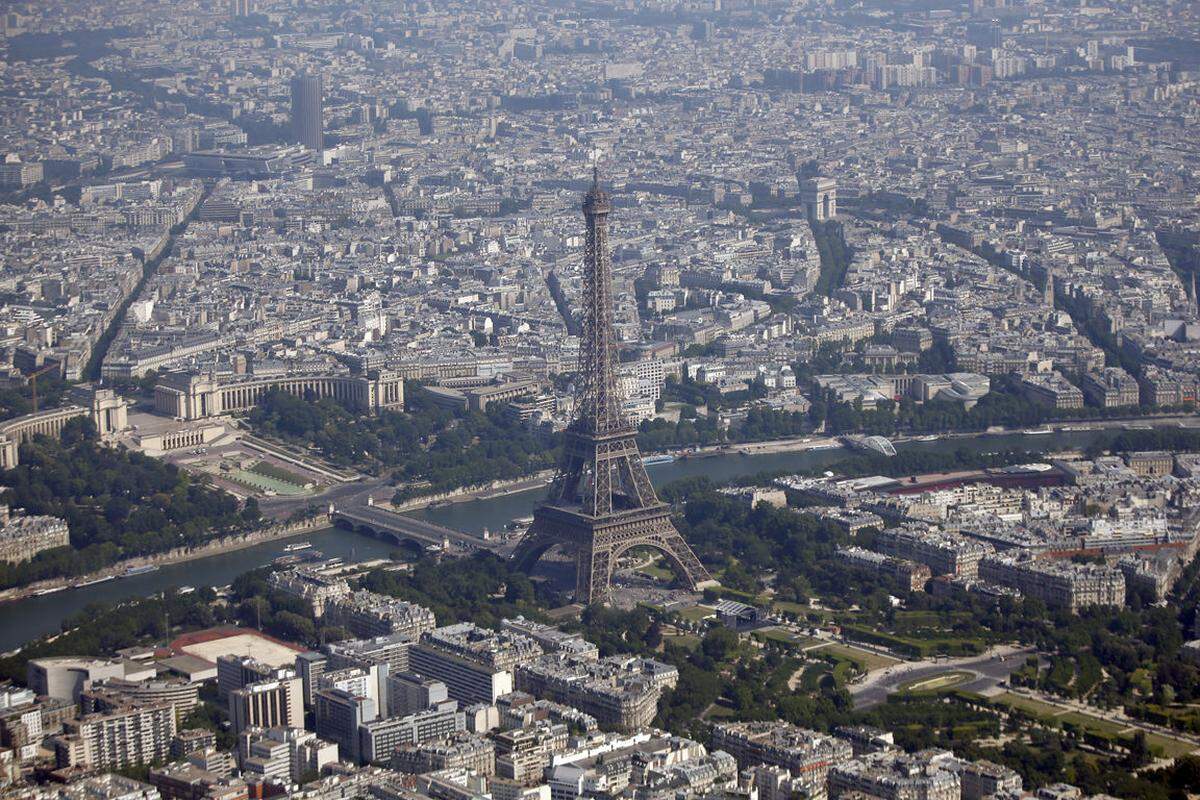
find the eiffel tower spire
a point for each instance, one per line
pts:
(602, 503)
(599, 410)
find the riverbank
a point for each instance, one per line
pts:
(228, 544)
(179, 555)
(42, 615)
(498, 488)
(829, 447)
(819, 442)
(21, 621)
(281, 507)
(699, 458)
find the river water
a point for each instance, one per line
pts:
(37, 616)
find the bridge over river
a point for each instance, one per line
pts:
(379, 522)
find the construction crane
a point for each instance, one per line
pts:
(33, 376)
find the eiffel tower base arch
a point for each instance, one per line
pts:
(596, 543)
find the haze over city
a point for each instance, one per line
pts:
(600, 400)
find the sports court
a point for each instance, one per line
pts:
(212, 644)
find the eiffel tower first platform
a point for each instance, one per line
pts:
(602, 503)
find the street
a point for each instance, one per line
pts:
(989, 670)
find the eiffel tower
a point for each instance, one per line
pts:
(602, 503)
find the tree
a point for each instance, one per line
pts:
(294, 627)
(250, 511)
(654, 636)
(117, 504)
(1139, 751)
(719, 644)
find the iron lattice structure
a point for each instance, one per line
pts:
(602, 503)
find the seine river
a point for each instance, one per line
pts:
(37, 616)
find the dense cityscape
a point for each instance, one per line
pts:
(600, 400)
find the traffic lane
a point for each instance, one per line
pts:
(336, 494)
(988, 673)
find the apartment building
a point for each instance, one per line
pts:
(368, 615)
(944, 553)
(620, 691)
(807, 755)
(1056, 583)
(127, 736)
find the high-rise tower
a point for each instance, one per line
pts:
(602, 503)
(308, 111)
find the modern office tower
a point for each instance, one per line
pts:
(408, 693)
(123, 737)
(339, 714)
(602, 503)
(369, 682)
(466, 681)
(264, 760)
(268, 704)
(282, 755)
(379, 739)
(819, 196)
(311, 666)
(27, 722)
(475, 664)
(308, 111)
(218, 762)
(16, 175)
(391, 650)
(243, 8)
(234, 672)
(985, 34)
(192, 740)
